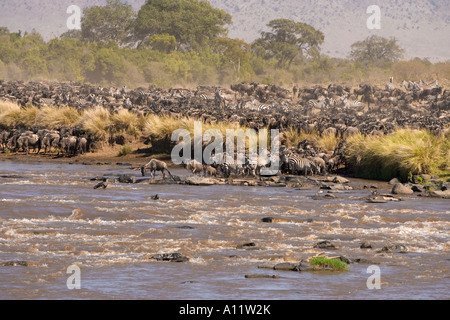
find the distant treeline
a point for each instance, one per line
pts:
(170, 43)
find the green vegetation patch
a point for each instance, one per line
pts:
(335, 264)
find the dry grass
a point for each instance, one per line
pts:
(126, 122)
(97, 121)
(55, 117)
(292, 137)
(400, 154)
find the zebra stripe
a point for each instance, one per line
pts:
(298, 164)
(47, 102)
(352, 103)
(262, 107)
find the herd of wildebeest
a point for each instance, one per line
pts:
(336, 109)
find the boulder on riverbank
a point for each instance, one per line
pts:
(400, 188)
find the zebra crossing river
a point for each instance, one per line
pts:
(51, 219)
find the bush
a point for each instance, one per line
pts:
(400, 154)
(125, 150)
(335, 264)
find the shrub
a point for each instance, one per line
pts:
(402, 153)
(335, 264)
(97, 121)
(125, 150)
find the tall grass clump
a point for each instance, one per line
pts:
(13, 116)
(399, 154)
(52, 117)
(327, 141)
(97, 121)
(162, 127)
(126, 122)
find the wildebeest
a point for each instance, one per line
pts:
(50, 140)
(194, 166)
(81, 146)
(28, 140)
(209, 170)
(155, 165)
(4, 136)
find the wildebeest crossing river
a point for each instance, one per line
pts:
(51, 218)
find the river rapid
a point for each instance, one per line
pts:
(52, 218)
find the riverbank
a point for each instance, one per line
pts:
(326, 186)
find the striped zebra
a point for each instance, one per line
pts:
(205, 97)
(263, 107)
(390, 86)
(351, 103)
(321, 103)
(46, 102)
(297, 164)
(313, 104)
(331, 102)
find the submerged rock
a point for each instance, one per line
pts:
(261, 276)
(366, 245)
(285, 266)
(171, 257)
(248, 246)
(325, 245)
(126, 178)
(14, 263)
(395, 248)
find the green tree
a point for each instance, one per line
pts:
(287, 40)
(162, 42)
(235, 54)
(376, 51)
(111, 22)
(193, 23)
(109, 67)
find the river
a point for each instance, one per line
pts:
(52, 218)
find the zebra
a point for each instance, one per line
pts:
(312, 103)
(351, 103)
(411, 86)
(390, 86)
(330, 102)
(46, 102)
(296, 164)
(263, 107)
(320, 103)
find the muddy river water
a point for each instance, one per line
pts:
(52, 218)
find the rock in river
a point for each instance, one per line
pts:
(14, 264)
(401, 189)
(395, 248)
(171, 257)
(325, 245)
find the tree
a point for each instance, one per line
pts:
(377, 51)
(234, 53)
(111, 22)
(193, 23)
(162, 42)
(287, 40)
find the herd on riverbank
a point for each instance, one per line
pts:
(315, 122)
